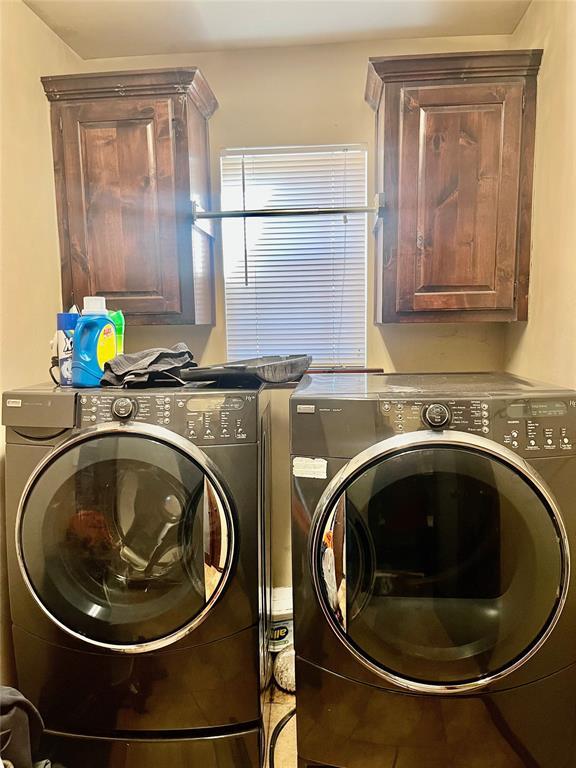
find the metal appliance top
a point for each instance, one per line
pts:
(479, 384)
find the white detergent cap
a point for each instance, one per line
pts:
(94, 305)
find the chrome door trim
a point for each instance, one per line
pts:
(430, 438)
(180, 444)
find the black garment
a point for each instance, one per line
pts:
(147, 367)
(20, 728)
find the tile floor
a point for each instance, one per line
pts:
(279, 704)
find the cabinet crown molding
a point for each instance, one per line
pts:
(152, 82)
(443, 66)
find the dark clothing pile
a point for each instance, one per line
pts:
(150, 367)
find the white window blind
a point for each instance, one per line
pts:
(296, 284)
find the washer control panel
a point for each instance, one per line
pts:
(217, 419)
(203, 417)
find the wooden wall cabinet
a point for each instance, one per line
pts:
(131, 153)
(455, 150)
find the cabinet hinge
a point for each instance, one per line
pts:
(523, 100)
(60, 125)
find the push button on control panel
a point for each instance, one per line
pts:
(436, 415)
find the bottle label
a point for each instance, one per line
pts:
(65, 350)
(106, 346)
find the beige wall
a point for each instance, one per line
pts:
(545, 347)
(29, 288)
(315, 95)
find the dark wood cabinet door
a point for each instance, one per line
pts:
(118, 158)
(131, 153)
(454, 163)
(459, 169)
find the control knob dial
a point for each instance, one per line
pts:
(436, 415)
(122, 408)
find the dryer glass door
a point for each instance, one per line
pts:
(439, 564)
(125, 537)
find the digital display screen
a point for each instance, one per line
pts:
(215, 403)
(205, 403)
(537, 409)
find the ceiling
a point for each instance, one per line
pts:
(110, 28)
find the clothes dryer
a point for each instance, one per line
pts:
(433, 518)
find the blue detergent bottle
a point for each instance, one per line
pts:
(94, 343)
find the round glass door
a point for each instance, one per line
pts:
(125, 537)
(441, 562)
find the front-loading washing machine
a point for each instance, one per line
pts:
(138, 541)
(433, 518)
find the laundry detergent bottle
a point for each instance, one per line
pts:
(94, 343)
(117, 318)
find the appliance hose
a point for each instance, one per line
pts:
(278, 728)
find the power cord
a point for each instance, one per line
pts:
(54, 364)
(276, 733)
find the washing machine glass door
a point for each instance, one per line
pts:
(440, 560)
(125, 536)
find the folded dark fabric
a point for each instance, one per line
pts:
(20, 728)
(145, 367)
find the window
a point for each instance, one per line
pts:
(296, 284)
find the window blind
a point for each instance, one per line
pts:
(295, 284)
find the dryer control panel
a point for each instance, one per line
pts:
(205, 418)
(528, 427)
(411, 415)
(531, 427)
(535, 428)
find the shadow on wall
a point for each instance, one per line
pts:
(438, 347)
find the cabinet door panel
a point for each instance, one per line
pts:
(458, 196)
(119, 166)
